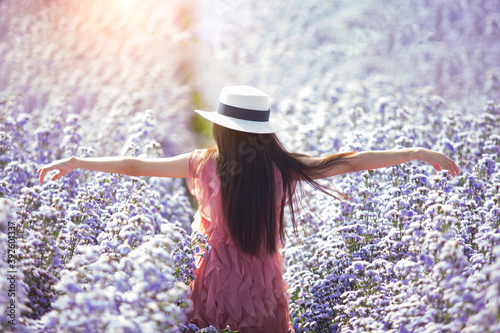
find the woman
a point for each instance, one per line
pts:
(242, 187)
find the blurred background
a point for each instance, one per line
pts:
(109, 59)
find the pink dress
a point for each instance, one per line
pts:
(231, 288)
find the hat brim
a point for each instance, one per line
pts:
(260, 127)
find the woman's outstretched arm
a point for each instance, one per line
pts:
(368, 160)
(174, 167)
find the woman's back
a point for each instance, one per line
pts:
(232, 288)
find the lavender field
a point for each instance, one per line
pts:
(413, 250)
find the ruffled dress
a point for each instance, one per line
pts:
(232, 288)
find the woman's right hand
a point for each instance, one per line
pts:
(64, 166)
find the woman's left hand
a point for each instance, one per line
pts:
(438, 161)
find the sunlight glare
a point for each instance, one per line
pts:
(120, 10)
(125, 6)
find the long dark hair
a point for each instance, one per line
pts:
(245, 166)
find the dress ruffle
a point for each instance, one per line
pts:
(232, 288)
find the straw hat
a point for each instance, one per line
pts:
(245, 109)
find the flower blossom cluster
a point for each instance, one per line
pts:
(412, 249)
